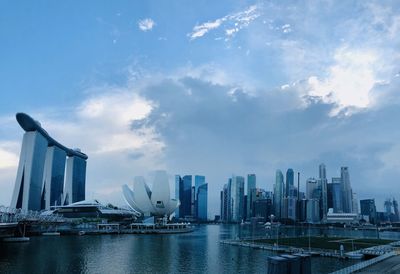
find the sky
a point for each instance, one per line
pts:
(216, 88)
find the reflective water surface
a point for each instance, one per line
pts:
(196, 252)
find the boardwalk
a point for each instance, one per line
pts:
(390, 265)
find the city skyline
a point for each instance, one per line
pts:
(211, 88)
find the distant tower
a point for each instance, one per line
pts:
(201, 199)
(278, 193)
(237, 198)
(75, 180)
(28, 185)
(324, 190)
(396, 210)
(346, 190)
(289, 181)
(251, 184)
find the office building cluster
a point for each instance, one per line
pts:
(371, 215)
(237, 206)
(320, 202)
(193, 198)
(49, 174)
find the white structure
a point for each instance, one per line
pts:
(151, 203)
(345, 218)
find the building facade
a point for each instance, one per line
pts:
(41, 180)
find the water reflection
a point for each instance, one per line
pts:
(197, 252)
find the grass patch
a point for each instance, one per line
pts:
(332, 243)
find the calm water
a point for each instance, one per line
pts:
(196, 252)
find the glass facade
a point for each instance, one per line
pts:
(186, 197)
(237, 198)
(289, 181)
(202, 194)
(28, 186)
(278, 193)
(336, 188)
(251, 184)
(178, 186)
(78, 180)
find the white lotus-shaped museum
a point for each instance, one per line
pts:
(151, 203)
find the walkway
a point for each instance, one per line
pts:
(391, 265)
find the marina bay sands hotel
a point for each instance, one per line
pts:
(49, 174)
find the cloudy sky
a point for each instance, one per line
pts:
(206, 87)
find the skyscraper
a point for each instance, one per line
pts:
(199, 180)
(368, 209)
(337, 195)
(53, 177)
(41, 180)
(75, 180)
(278, 193)
(251, 184)
(311, 188)
(178, 191)
(185, 197)
(237, 198)
(28, 185)
(289, 181)
(346, 190)
(224, 203)
(202, 193)
(323, 181)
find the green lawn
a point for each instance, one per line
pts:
(326, 242)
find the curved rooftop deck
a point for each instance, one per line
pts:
(29, 124)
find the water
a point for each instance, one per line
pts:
(196, 252)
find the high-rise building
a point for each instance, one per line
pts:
(313, 211)
(346, 190)
(224, 203)
(368, 209)
(355, 203)
(237, 198)
(178, 194)
(41, 180)
(199, 180)
(396, 210)
(311, 188)
(289, 181)
(185, 197)
(323, 182)
(28, 185)
(251, 184)
(53, 177)
(263, 208)
(75, 180)
(337, 195)
(202, 193)
(278, 193)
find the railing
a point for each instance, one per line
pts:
(365, 264)
(12, 215)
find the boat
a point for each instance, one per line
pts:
(81, 233)
(16, 239)
(51, 233)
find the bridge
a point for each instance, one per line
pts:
(13, 222)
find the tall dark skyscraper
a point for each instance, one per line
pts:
(289, 181)
(251, 184)
(368, 208)
(185, 195)
(346, 190)
(323, 184)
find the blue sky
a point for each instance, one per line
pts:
(206, 87)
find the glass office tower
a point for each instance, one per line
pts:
(202, 194)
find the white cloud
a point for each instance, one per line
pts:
(146, 24)
(8, 155)
(232, 23)
(349, 80)
(286, 28)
